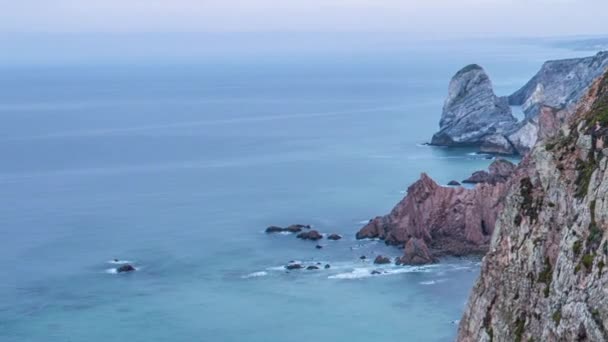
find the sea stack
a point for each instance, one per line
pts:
(473, 115)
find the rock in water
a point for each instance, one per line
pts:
(125, 268)
(311, 235)
(293, 266)
(334, 237)
(453, 183)
(416, 253)
(545, 277)
(472, 113)
(312, 268)
(381, 260)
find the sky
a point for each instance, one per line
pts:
(433, 18)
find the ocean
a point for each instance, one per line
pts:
(179, 168)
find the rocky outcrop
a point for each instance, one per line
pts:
(442, 220)
(474, 116)
(472, 113)
(294, 228)
(543, 278)
(559, 84)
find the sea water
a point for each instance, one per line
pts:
(179, 168)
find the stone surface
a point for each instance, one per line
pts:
(544, 277)
(472, 113)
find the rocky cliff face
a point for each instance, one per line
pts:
(560, 84)
(443, 220)
(472, 113)
(543, 278)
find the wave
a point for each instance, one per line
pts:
(360, 273)
(255, 275)
(432, 282)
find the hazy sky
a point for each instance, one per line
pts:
(432, 17)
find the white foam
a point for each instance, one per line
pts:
(364, 221)
(432, 282)
(119, 262)
(360, 273)
(114, 271)
(255, 275)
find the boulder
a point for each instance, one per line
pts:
(125, 268)
(293, 266)
(310, 235)
(382, 260)
(334, 237)
(416, 252)
(454, 183)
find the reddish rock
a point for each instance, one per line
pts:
(449, 220)
(310, 235)
(416, 253)
(382, 260)
(499, 172)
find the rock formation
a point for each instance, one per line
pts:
(472, 113)
(474, 116)
(448, 220)
(310, 235)
(543, 277)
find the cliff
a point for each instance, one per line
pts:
(446, 220)
(559, 84)
(472, 113)
(543, 279)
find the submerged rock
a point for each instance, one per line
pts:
(293, 266)
(376, 272)
(327, 266)
(294, 228)
(312, 267)
(125, 268)
(310, 235)
(318, 247)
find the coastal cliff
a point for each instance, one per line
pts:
(446, 220)
(472, 113)
(559, 84)
(543, 278)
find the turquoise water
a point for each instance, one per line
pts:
(180, 168)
